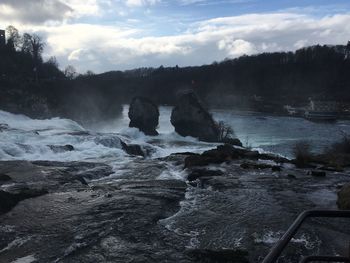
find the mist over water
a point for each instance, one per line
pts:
(276, 134)
(28, 139)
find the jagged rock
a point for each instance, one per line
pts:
(331, 169)
(110, 142)
(115, 142)
(318, 173)
(198, 173)
(144, 115)
(219, 256)
(232, 141)
(15, 194)
(344, 197)
(191, 119)
(61, 148)
(226, 153)
(222, 153)
(4, 178)
(3, 127)
(132, 149)
(249, 165)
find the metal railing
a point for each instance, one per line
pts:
(293, 229)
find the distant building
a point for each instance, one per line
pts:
(325, 106)
(2, 38)
(322, 110)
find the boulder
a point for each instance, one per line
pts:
(227, 152)
(222, 153)
(190, 118)
(61, 148)
(4, 178)
(144, 115)
(260, 166)
(199, 173)
(344, 197)
(15, 194)
(4, 127)
(132, 149)
(232, 141)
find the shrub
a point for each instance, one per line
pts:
(302, 153)
(341, 147)
(225, 131)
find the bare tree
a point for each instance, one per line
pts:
(70, 72)
(53, 61)
(34, 45)
(225, 131)
(13, 37)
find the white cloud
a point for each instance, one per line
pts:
(101, 48)
(236, 47)
(33, 11)
(190, 2)
(84, 7)
(141, 3)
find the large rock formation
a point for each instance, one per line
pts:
(144, 115)
(191, 119)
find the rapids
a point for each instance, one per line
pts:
(104, 205)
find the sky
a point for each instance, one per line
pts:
(105, 35)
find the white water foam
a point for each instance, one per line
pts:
(271, 238)
(27, 259)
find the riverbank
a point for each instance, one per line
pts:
(74, 194)
(87, 213)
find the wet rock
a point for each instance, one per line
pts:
(291, 176)
(223, 153)
(318, 173)
(132, 149)
(344, 197)
(3, 127)
(198, 173)
(232, 141)
(272, 157)
(331, 169)
(276, 168)
(219, 256)
(249, 165)
(227, 153)
(4, 178)
(190, 118)
(61, 148)
(115, 142)
(144, 115)
(110, 142)
(16, 193)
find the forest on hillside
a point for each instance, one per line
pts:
(273, 79)
(263, 82)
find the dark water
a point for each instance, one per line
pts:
(278, 134)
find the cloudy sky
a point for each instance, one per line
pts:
(103, 35)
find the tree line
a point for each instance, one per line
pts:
(263, 82)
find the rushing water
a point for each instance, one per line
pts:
(28, 139)
(276, 134)
(235, 210)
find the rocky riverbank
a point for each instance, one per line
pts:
(230, 208)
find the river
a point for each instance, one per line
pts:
(103, 205)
